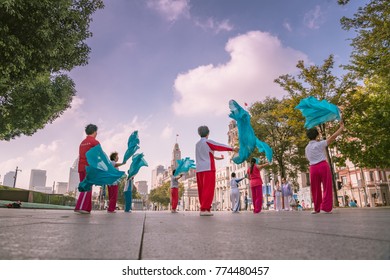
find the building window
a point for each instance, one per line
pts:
(307, 179)
(371, 176)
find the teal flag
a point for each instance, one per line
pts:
(184, 165)
(246, 136)
(137, 162)
(100, 170)
(132, 146)
(317, 112)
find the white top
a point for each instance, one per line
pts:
(128, 186)
(204, 152)
(315, 151)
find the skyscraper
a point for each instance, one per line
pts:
(155, 172)
(37, 178)
(9, 178)
(74, 178)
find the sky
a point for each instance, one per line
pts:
(165, 67)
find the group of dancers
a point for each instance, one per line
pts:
(205, 175)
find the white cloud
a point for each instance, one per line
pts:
(212, 24)
(314, 18)
(256, 59)
(167, 132)
(10, 165)
(171, 10)
(287, 26)
(43, 149)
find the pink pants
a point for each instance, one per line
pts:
(84, 202)
(206, 186)
(257, 198)
(174, 197)
(320, 173)
(113, 197)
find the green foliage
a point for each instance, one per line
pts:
(273, 122)
(162, 194)
(39, 40)
(367, 142)
(370, 56)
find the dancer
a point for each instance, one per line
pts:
(205, 168)
(84, 201)
(235, 193)
(128, 194)
(287, 195)
(278, 197)
(174, 191)
(113, 189)
(256, 184)
(320, 170)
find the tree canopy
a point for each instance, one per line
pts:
(39, 42)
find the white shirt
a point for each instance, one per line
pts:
(204, 152)
(315, 151)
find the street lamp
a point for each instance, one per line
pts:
(16, 175)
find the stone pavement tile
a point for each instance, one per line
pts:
(62, 234)
(269, 235)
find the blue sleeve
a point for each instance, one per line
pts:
(239, 180)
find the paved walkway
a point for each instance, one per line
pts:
(349, 234)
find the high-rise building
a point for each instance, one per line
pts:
(142, 187)
(155, 174)
(37, 178)
(62, 187)
(74, 178)
(9, 178)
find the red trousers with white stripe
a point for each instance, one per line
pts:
(84, 202)
(174, 197)
(320, 173)
(206, 186)
(113, 197)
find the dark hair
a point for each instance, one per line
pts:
(233, 174)
(91, 129)
(203, 131)
(173, 172)
(113, 155)
(312, 133)
(253, 162)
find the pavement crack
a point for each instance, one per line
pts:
(142, 239)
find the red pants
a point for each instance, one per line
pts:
(174, 197)
(113, 197)
(320, 173)
(257, 198)
(84, 202)
(206, 186)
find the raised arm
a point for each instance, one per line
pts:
(332, 138)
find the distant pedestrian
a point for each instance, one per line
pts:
(113, 189)
(235, 193)
(287, 195)
(84, 201)
(278, 197)
(174, 191)
(246, 201)
(205, 168)
(320, 170)
(256, 184)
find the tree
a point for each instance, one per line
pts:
(318, 81)
(39, 40)
(368, 142)
(162, 194)
(273, 122)
(370, 56)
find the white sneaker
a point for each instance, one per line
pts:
(324, 212)
(314, 212)
(206, 213)
(82, 211)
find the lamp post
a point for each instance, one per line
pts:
(16, 175)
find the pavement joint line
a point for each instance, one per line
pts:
(330, 234)
(142, 239)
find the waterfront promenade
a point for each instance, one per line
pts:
(347, 234)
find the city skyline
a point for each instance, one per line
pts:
(166, 67)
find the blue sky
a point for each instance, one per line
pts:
(165, 67)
